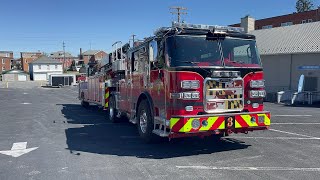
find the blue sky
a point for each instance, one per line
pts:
(32, 25)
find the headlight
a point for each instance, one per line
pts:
(190, 84)
(257, 83)
(257, 94)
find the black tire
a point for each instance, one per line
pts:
(145, 122)
(85, 104)
(112, 110)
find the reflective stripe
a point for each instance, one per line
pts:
(107, 94)
(173, 121)
(222, 125)
(106, 98)
(247, 118)
(266, 119)
(187, 127)
(211, 121)
(237, 125)
(217, 122)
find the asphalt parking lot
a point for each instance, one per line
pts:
(70, 142)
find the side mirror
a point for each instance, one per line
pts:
(153, 51)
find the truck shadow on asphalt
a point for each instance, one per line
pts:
(97, 135)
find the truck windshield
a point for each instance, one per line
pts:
(197, 51)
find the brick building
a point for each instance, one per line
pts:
(28, 57)
(6, 58)
(59, 55)
(93, 55)
(286, 20)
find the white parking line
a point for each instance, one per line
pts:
(278, 138)
(25, 103)
(292, 115)
(285, 132)
(249, 168)
(298, 123)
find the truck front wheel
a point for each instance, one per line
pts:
(145, 122)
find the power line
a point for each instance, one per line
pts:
(178, 10)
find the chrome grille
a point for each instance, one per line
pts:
(223, 95)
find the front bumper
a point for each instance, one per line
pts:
(232, 122)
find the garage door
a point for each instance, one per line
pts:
(40, 77)
(22, 77)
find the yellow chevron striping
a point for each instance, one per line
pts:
(106, 95)
(247, 118)
(173, 121)
(237, 125)
(187, 127)
(211, 121)
(222, 125)
(266, 119)
(106, 105)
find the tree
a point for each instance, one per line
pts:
(304, 5)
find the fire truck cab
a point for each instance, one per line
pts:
(189, 80)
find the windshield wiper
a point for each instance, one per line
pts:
(196, 64)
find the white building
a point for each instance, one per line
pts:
(41, 68)
(287, 53)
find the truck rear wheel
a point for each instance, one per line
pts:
(145, 122)
(112, 110)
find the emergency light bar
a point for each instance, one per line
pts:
(216, 28)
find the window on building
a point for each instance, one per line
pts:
(3, 68)
(39, 66)
(3, 61)
(310, 20)
(267, 27)
(287, 24)
(304, 21)
(56, 66)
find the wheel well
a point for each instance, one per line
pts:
(145, 96)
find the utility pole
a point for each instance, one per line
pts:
(64, 55)
(178, 11)
(133, 35)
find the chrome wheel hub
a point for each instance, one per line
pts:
(111, 111)
(143, 121)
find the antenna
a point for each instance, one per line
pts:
(178, 11)
(64, 54)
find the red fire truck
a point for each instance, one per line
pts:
(186, 80)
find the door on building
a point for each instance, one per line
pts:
(310, 83)
(40, 77)
(66, 81)
(22, 77)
